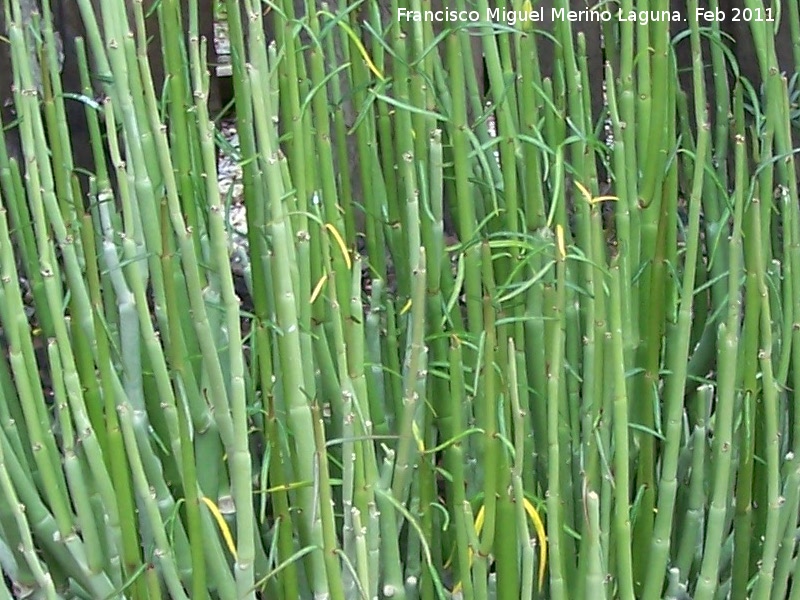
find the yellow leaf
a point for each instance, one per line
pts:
(340, 242)
(527, 7)
(318, 289)
(588, 196)
(223, 526)
(418, 437)
(538, 525)
(479, 519)
(562, 250)
(357, 41)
